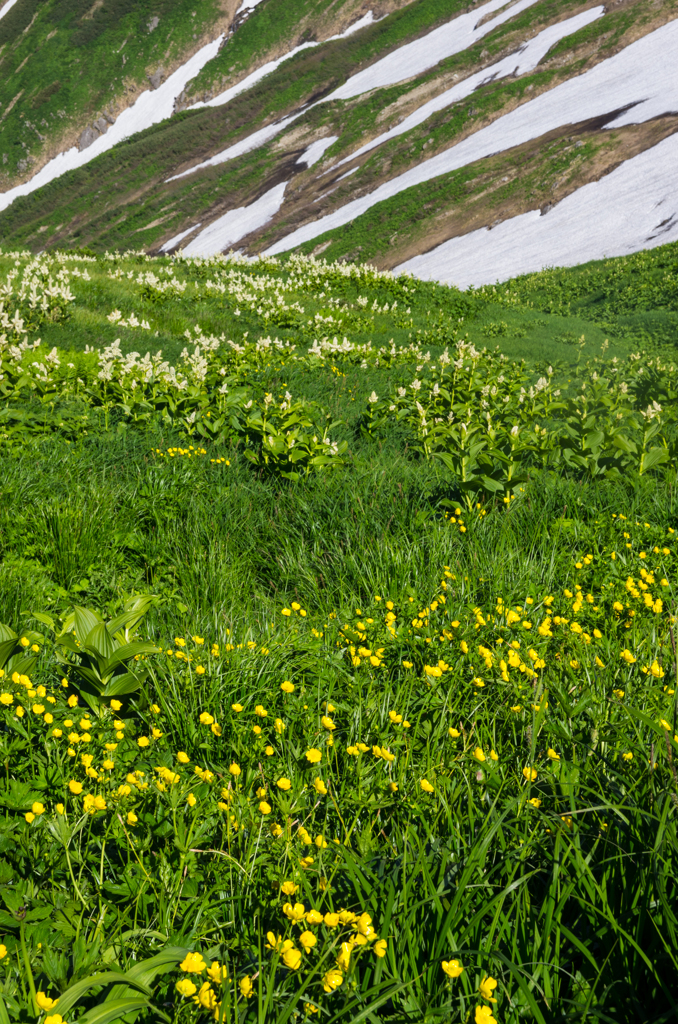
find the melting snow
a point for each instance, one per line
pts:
(247, 5)
(418, 56)
(316, 150)
(228, 94)
(235, 224)
(177, 238)
(238, 148)
(151, 107)
(520, 62)
(634, 207)
(450, 38)
(6, 8)
(633, 86)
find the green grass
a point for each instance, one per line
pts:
(70, 60)
(488, 675)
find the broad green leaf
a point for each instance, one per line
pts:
(84, 622)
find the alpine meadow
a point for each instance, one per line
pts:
(338, 512)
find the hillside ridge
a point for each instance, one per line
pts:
(304, 128)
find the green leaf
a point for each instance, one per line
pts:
(126, 653)
(655, 457)
(84, 622)
(121, 685)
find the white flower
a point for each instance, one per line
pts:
(373, 398)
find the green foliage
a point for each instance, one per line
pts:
(471, 620)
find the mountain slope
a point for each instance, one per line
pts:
(411, 125)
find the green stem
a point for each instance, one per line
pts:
(27, 966)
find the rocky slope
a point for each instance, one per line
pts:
(396, 132)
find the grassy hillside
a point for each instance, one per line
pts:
(337, 678)
(64, 63)
(136, 205)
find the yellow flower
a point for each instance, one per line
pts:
(237, 708)
(38, 808)
(3, 951)
(320, 787)
(292, 959)
(484, 1015)
(260, 711)
(284, 784)
(183, 758)
(452, 968)
(75, 787)
(186, 988)
(380, 947)
(494, 756)
(29, 816)
(6, 699)
(234, 769)
(479, 754)
(54, 1018)
(486, 988)
(193, 963)
(664, 724)
(313, 755)
(44, 1002)
(628, 756)
(279, 726)
(332, 979)
(264, 807)
(206, 718)
(535, 801)
(200, 670)
(453, 733)
(331, 920)
(246, 988)
(307, 940)
(530, 773)
(289, 888)
(143, 741)
(131, 818)
(191, 800)
(116, 705)
(426, 786)
(552, 754)
(216, 973)
(628, 657)
(286, 611)
(287, 686)
(60, 809)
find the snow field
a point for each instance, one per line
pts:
(633, 86)
(235, 224)
(170, 243)
(525, 59)
(634, 207)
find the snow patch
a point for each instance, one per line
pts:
(177, 238)
(520, 62)
(235, 224)
(631, 87)
(634, 207)
(228, 94)
(316, 150)
(244, 146)
(247, 5)
(6, 8)
(151, 107)
(418, 56)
